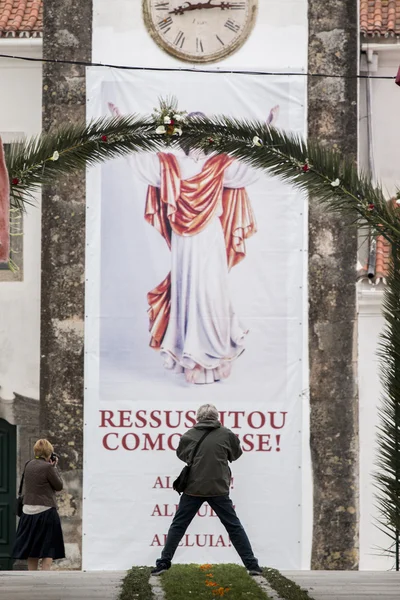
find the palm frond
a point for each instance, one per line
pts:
(42, 159)
(387, 476)
(282, 154)
(307, 165)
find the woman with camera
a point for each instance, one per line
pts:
(39, 533)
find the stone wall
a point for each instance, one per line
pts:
(67, 35)
(333, 49)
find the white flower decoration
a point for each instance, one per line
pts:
(55, 156)
(178, 131)
(178, 118)
(257, 141)
(335, 183)
(167, 120)
(398, 201)
(161, 129)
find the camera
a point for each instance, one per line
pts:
(54, 456)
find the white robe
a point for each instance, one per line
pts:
(203, 330)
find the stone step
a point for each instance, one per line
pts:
(105, 585)
(60, 585)
(348, 585)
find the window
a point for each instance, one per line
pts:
(13, 271)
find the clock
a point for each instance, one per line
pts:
(200, 31)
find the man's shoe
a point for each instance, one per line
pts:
(160, 568)
(255, 571)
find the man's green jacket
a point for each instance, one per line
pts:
(210, 474)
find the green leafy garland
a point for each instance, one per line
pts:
(317, 170)
(320, 171)
(42, 159)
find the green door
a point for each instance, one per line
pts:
(8, 462)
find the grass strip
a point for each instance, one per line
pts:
(182, 582)
(136, 584)
(286, 588)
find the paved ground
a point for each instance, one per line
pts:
(348, 585)
(100, 585)
(60, 585)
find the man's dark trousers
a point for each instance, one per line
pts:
(223, 507)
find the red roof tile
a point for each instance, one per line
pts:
(21, 18)
(380, 18)
(376, 257)
(383, 258)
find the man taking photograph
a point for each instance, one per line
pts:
(209, 481)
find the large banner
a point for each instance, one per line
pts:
(194, 294)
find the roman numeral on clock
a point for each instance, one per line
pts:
(230, 24)
(180, 39)
(237, 5)
(165, 24)
(219, 39)
(161, 6)
(199, 45)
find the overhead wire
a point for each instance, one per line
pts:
(83, 63)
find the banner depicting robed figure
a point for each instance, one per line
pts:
(195, 293)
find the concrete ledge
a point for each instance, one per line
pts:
(348, 585)
(105, 585)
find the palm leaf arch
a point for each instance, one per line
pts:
(322, 172)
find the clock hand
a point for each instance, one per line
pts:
(188, 6)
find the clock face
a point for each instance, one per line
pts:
(200, 30)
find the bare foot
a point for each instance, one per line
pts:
(196, 375)
(190, 375)
(169, 362)
(225, 369)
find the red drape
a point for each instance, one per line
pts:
(187, 207)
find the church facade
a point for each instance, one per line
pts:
(42, 380)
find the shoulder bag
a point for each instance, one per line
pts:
(19, 503)
(180, 483)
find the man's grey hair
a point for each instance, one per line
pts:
(207, 412)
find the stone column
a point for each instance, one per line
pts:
(333, 49)
(67, 35)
